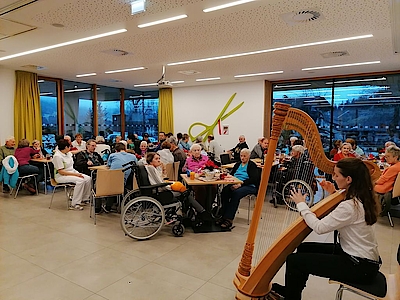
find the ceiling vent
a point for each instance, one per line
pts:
(335, 54)
(15, 6)
(302, 16)
(116, 52)
(10, 28)
(189, 72)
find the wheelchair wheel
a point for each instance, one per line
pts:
(132, 194)
(178, 229)
(142, 218)
(304, 188)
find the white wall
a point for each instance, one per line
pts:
(7, 89)
(204, 103)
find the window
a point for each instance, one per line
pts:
(366, 108)
(48, 103)
(109, 112)
(78, 109)
(141, 113)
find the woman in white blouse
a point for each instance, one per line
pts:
(354, 256)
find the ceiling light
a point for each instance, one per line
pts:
(145, 84)
(292, 85)
(86, 75)
(46, 94)
(178, 81)
(344, 65)
(77, 90)
(138, 6)
(208, 79)
(162, 21)
(226, 5)
(93, 37)
(357, 80)
(140, 96)
(124, 70)
(40, 81)
(271, 50)
(258, 74)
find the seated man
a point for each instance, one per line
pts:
(384, 185)
(87, 158)
(235, 151)
(214, 149)
(248, 172)
(179, 154)
(115, 161)
(260, 149)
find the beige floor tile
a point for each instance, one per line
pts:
(95, 297)
(197, 296)
(45, 287)
(197, 259)
(100, 269)
(216, 292)
(15, 270)
(225, 277)
(138, 287)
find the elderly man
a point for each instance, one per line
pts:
(248, 172)
(87, 158)
(235, 151)
(259, 149)
(161, 138)
(179, 154)
(6, 150)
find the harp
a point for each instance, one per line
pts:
(254, 282)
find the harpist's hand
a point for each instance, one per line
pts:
(297, 196)
(328, 186)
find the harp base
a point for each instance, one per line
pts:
(239, 280)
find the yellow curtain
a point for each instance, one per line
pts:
(165, 111)
(27, 113)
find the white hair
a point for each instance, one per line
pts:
(245, 151)
(195, 146)
(100, 139)
(242, 136)
(67, 137)
(10, 138)
(298, 148)
(172, 140)
(293, 138)
(143, 143)
(389, 143)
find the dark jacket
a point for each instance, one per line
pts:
(82, 158)
(236, 150)
(253, 171)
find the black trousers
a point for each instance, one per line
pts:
(318, 259)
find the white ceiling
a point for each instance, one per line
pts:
(248, 27)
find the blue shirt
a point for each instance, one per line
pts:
(241, 172)
(116, 160)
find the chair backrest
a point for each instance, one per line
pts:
(225, 158)
(169, 168)
(142, 176)
(109, 182)
(396, 188)
(176, 171)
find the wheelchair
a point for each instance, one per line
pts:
(146, 209)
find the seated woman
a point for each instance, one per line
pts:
(344, 152)
(248, 172)
(24, 154)
(260, 149)
(384, 185)
(101, 147)
(195, 163)
(79, 143)
(166, 195)
(355, 259)
(36, 146)
(65, 173)
(165, 153)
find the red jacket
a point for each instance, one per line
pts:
(339, 156)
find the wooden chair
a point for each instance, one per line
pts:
(108, 183)
(172, 170)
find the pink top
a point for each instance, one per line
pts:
(385, 183)
(24, 155)
(194, 164)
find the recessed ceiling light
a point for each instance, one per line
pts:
(344, 65)
(86, 75)
(93, 37)
(226, 5)
(155, 83)
(77, 90)
(162, 21)
(258, 74)
(124, 70)
(177, 82)
(271, 50)
(208, 79)
(357, 80)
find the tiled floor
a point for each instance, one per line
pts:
(59, 254)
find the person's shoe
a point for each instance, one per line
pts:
(29, 188)
(76, 207)
(279, 289)
(205, 216)
(6, 189)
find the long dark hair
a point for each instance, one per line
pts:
(361, 186)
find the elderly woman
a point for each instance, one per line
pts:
(195, 163)
(384, 185)
(36, 146)
(79, 143)
(248, 172)
(101, 147)
(65, 172)
(344, 152)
